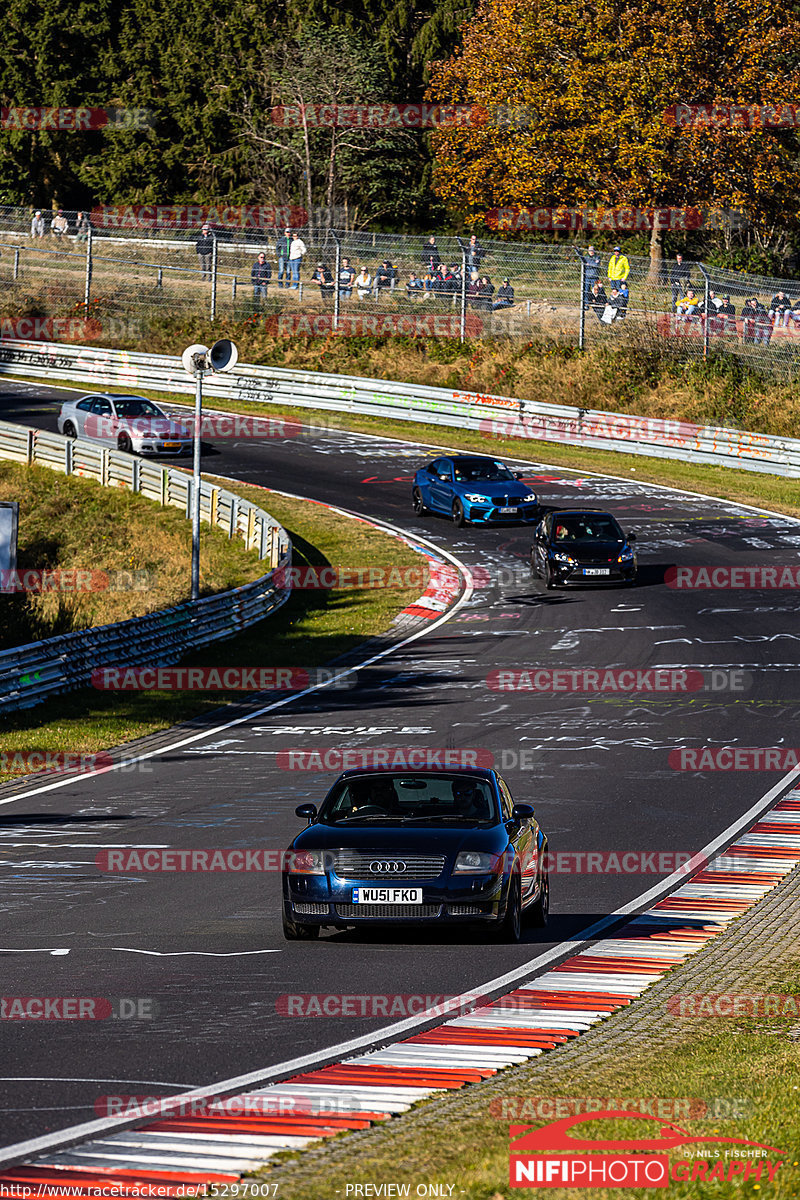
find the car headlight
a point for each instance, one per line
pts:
(472, 862)
(627, 555)
(305, 862)
(561, 557)
(531, 498)
(475, 498)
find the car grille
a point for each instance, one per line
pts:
(388, 910)
(309, 909)
(464, 910)
(352, 864)
(592, 560)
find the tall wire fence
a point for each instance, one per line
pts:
(96, 283)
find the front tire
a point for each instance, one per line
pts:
(298, 933)
(418, 503)
(510, 928)
(549, 581)
(459, 516)
(69, 430)
(124, 444)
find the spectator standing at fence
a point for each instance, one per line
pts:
(83, 227)
(618, 267)
(37, 224)
(283, 245)
(204, 247)
(599, 300)
(431, 257)
(363, 283)
(297, 252)
(680, 278)
(779, 308)
(475, 254)
(505, 296)
(260, 276)
(347, 278)
(591, 272)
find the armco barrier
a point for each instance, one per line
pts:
(501, 415)
(29, 674)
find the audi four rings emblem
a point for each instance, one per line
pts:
(383, 866)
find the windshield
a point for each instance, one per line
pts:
(468, 470)
(136, 406)
(431, 799)
(601, 528)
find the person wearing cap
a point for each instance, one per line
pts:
(618, 266)
(779, 307)
(727, 314)
(204, 247)
(59, 225)
(384, 276)
(363, 283)
(324, 277)
(297, 252)
(282, 246)
(260, 276)
(505, 296)
(83, 227)
(37, 224)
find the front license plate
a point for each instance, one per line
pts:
(172, 445)
(387, 895)
(597, 570)
(507, 510)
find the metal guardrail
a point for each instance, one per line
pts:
(500, 415)
(29, 674)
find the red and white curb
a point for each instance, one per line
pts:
(186, 1151)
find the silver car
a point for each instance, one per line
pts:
(130, 423)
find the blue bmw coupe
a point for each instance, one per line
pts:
(475, 489)
(441, 846)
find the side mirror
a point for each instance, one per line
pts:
(309, 811)
(522, 812)
(445, 478)
(631, 537)
(519, 474)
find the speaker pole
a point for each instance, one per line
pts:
(198, 412)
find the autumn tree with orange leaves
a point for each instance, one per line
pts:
(595, 80)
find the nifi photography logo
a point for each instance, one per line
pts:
(548, 1156)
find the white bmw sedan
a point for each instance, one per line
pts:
(129, 423)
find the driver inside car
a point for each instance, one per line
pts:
(470, 800)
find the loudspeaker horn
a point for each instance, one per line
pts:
(194, 358)
(223, 356)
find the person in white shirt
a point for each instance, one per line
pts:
(363, 283)
(37, 224)
(59, 225)
(297, 252)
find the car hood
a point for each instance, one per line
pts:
(592, 550)
(505, 487)
(406, 837)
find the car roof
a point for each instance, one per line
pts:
(481, 772)
(113, 396)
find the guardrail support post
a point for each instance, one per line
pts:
(87, 286)
(160, 280)
(706, 322)
(233, 288)
(214, 276)
(582, 326)
(463, 321)
(336, 270)
(16, 264)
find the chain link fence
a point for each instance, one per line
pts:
(95, 284)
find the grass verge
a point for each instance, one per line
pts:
(71, 524)
(313, 628)
(743, 1066)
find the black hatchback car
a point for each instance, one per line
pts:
(391, 847)
(581, 546)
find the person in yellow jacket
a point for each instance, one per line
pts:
(618, 266)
